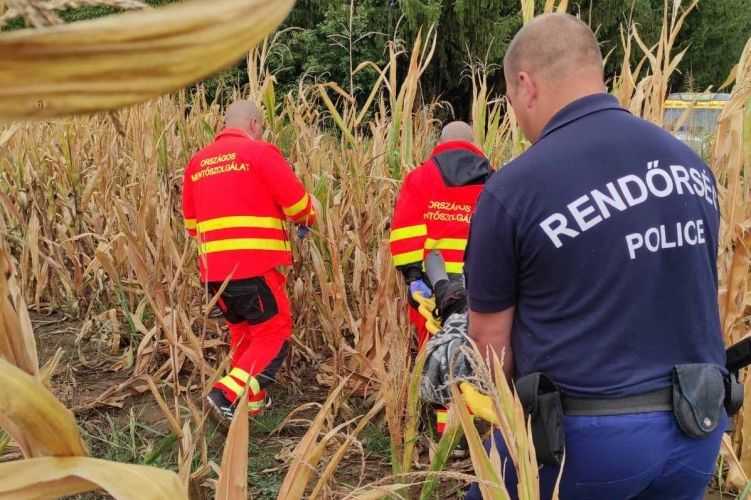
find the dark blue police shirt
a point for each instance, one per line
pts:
(603, 235)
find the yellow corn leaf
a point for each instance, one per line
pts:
(380, 492)
(550, 6)
(48, 477)
(336, 459)
(307, 453)
(489, 477)
(336, 116)
(528, 10)
(413, 411)
(17, 343)
(736, 476)
(233, 478)
(37, 421)
(129, 58)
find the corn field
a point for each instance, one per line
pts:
(91, 235)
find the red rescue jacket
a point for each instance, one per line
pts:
(237, 192)
(435, 205)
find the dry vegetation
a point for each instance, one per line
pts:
(89, 213)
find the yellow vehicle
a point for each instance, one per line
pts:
(692, 117)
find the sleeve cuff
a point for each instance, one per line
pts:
(490, 306)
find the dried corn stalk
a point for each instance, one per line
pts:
(42, 12)
(17, 343)
(233, 481)
(731, 161)
(57, 477)
(47, 433)
(129, 58)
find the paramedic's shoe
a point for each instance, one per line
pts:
(461, 451)
(221, 408)
(257, 409)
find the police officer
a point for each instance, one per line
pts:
(592, 261)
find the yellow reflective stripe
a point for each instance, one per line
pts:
(190, 224)
(240, 374)
(257, 405)
(239, 221)
(454, 267)
(245, 244)
(403, 259)
(233, 386)
(671, 104)
(404, 233)
(441, 416)
(446, 244)
(298, 207)
(676, 104)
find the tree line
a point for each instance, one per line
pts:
(323, 39)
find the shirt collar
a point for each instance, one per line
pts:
(232, 132)
(452, 145)
(579, 109)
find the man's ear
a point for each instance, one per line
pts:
(254, 127)
(528, 88)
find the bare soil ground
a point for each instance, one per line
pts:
(138, 433)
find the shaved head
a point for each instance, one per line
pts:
(457, 131)
(554, 47)
(552, 61)
(240, 113)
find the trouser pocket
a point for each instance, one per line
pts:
(541, 399)
(250, 300)
(698, 398)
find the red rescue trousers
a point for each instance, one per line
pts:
(418, 321)
(258, 350)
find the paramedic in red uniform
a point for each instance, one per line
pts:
(433, 211)
(238, 191)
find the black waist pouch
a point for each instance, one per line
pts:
(542, 402)
(698, 398)
(249, 300)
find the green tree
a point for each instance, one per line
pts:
(715, 35)
(469, 31)
(317, 44)
(335, 42)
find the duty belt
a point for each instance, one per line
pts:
(661, 400)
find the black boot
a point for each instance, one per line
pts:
(222, 409)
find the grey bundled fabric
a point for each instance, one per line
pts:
(446, 360)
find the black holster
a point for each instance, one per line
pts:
(733, 394)
(541, 399)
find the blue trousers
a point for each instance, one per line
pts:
(627, 457)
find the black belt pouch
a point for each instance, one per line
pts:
(542, 402)
(249, 300)
(698, 398)
(733, 394)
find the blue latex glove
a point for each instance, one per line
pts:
(419, 286)
(302, 232)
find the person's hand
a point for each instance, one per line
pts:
(302, 231)
(421, 288)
